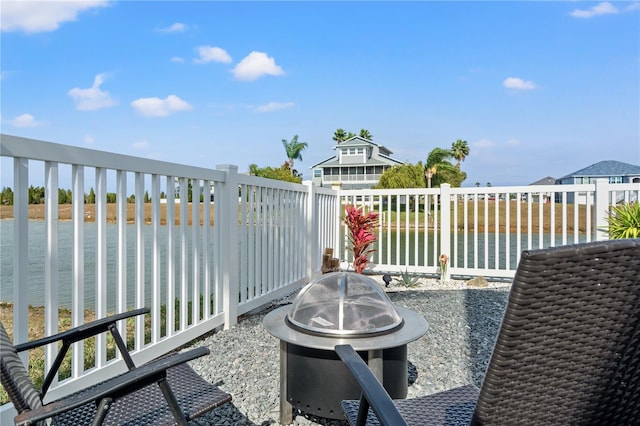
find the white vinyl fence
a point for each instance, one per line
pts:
(481, 230)
(239, 242)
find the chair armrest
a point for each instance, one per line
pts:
(123, 384)
(82, 331)
(372, 389)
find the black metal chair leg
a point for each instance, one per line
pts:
(172, 402)
(101, 411)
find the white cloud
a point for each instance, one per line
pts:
(40, 16)
(484, 143)
(255, 65)
(212, 54)
(632, 7)
(274, 106)
(177, 59)
(93, 98)
(604, 8)
(156, 107)
(513, 142)
(89, 139)
(518, 84)
(178, 27)
(25, 120)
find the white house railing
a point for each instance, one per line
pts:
(255, 241)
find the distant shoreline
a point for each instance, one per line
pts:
(37, 212)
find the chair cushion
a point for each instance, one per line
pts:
(14, 376)
(147, 406)
(451, 407)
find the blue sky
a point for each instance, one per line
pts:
(536, 88)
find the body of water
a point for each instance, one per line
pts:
(391, 251)
(36, 247)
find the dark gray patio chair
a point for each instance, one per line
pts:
(162, 391)
(567, 352)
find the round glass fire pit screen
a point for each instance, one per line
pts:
(343, 304)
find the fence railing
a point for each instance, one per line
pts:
(197, 261)
(481, 230)
(201, 260)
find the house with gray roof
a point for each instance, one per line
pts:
(613, 171)
(545, 196)
(358, 164)
(545, 181)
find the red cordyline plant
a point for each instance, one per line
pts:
(361, 234)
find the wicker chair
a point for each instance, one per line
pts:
(567, 352)
(163, 391)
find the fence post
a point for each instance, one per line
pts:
(21, 252)
(227, 201)
(445, 219)
(601, 210)
(312, 231)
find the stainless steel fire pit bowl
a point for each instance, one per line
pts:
(339, 308)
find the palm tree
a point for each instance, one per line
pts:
(253, 169)
(340, 135)
(294, 150)
(459, 151)
(437, 159)
(429, 172)
(365, 134)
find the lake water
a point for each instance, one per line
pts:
(36, 247)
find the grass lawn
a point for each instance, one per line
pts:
(36, 331)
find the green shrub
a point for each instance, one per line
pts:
(408, 280)
(624, 221)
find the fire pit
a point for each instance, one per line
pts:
(339, 308)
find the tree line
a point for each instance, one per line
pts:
(437, 169)
(65, 196)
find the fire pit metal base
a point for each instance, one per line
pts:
(312, 377)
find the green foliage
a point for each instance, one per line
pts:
(365, 134)
(402, 176)
(91, 198)
(408, 280)
(65, 196)
(111, 197)
(6, 196)
(62, 196)
(441, 169)
(459, 151)
(340, 135)
(294, 150)
(281, 173)
(624, 221)
(36, 194)
(450, 174)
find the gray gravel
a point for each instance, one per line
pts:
(463, 322)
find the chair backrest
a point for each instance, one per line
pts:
(14, 376)
(568, 349)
